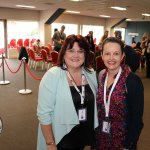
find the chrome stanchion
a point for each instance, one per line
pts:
(25, 90)
(4, 82)
(1, 125)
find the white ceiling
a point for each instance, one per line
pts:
(90, 7)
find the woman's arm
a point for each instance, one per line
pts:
(48, 136)
(135, 103)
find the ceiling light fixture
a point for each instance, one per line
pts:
(118, 8)
(75, 12)
(147, 15)
(76, 0)
(104, 16)
(128, 19)
(25, 6)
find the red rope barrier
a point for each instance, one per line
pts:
(10, 69)
(33, 76)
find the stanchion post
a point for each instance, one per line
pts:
(25, 90)
(1, 125)
(4, 82)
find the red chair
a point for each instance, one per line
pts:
(12, 43)
(37, 50)
(32, 42)
(20, 42)
(42, 47)
(54, 56)
(46, 59)
(26, 43)
(99, 64)
(48, 50)
(34, 59)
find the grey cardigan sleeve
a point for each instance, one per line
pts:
(135, 103)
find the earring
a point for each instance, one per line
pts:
(64, 65)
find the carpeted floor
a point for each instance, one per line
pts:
(18, 111)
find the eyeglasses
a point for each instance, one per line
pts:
(72, 51)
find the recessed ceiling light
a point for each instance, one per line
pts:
(25, 6)
(128, 19)
(75, 12)
(104, 16)
(148, 15)
(76, 0)
(119, 8)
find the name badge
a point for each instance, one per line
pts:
(82, 114)
(106, 127)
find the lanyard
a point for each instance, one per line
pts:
(107, 103)
(82, 95)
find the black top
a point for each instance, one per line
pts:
(23, 53)
(82, 134)
(132, 59)
(135, 101)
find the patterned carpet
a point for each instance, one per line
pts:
(18, 111)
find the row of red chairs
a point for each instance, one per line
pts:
(44, 58)
(20, 42)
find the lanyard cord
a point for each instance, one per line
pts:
(107, 103)
(82, 95)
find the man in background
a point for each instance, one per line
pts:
(90, 40)
(58, 38)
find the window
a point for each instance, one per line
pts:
(98, 32)
(69, 28)
(1, 34)
(22, 30)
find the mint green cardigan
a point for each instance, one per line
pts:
(55, 104)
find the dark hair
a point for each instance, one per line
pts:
(68, 44)
(63, 26)
(55, 29)
(118, 34)
(113, 40)
(138, 45)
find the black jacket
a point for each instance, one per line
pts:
(135, 103)
(23, 53)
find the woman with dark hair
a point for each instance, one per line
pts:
(120, 101)
(67, 100)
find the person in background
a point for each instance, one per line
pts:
(133, 45)
(58, 38)
(55, 30)
(144, 39)
(118, 34)
(120, 101)
(138, 47)
(147, 56)
(23, 54)
(90, 40)
(37, 46)
(102, 39)
(131, 57)
(66, 108)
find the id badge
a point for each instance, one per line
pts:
(106, 127)
(82, 114)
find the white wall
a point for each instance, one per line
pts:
(43, 16)
(76, 19)
(19, 14)
(111, 22)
